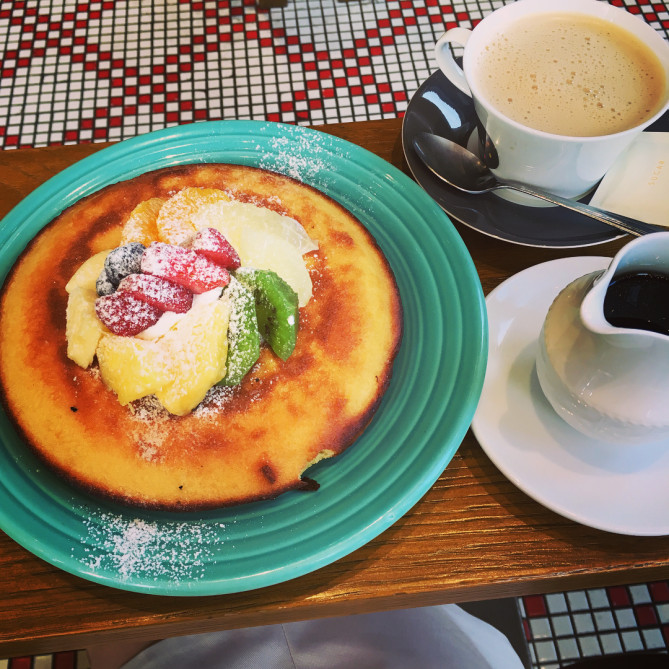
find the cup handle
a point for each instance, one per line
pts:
(445, 60)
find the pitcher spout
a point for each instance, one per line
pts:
(629, 301)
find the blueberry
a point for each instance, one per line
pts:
(123, 261)
(103, 285)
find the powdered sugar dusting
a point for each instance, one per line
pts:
(154, 550)
(214, 402)
(150, 432)
(297, 154)
(174, 218)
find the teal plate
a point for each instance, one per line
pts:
(424, 415)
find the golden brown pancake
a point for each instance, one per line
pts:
(247, 443)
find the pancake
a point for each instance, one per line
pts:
(250, 442)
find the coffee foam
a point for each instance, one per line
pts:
(572, 74)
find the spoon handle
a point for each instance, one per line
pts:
(629, 225)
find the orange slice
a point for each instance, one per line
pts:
(175, 225)
(141, 224)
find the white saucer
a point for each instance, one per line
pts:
(616, 488)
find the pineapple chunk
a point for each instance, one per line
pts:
(197, 348)
(131, 367)
(83, 329)
(87, 274)
(178, 368)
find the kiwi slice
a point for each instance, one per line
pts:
(276, 309)
(243, 333)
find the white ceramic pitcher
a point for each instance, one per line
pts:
(610, 383)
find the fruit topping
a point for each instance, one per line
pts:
(277, 255)
(131, 367)
(174, 220)
(264, 239)
(276, 309)
(141, 224)
(197, 348)
(243, 333)
(154, 313)
(210, 243)
(85, 276)
(124, 314)
(103, 286)
(82, 329)
(183, 266)
(179, 368)
(124, 260)
(160, 293)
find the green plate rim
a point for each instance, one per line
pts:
(428, 407)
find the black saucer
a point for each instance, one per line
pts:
(441, 108)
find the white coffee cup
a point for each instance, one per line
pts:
(567, 166)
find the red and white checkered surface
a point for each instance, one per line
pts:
(562, 628)
(103, 70)
(106, 70)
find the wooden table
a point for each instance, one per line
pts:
(473, 536)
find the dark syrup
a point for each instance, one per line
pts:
(638, 300)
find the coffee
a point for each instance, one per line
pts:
(571, 74)
(638, 300)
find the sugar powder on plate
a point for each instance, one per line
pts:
(304, 164)
(141, 549)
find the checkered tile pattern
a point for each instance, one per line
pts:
(106, 70)
(564, 627)
(64, 660)
(103, 70)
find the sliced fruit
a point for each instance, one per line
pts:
(265, 251)
(83, 329)
(243, 333)
(178, 368)
(159, 293)
(141, 224)
(276, 309)
(131, 367)
(124, 314)
(230, 218)
(88, 272)
(174, 220)
(210, 243)
(197, 350)
(183, 266)
(263, 239)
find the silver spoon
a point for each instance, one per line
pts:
(463, 170)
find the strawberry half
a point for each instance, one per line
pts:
(124, 314)
(184, 266)
(210, 243)
(159, 293)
